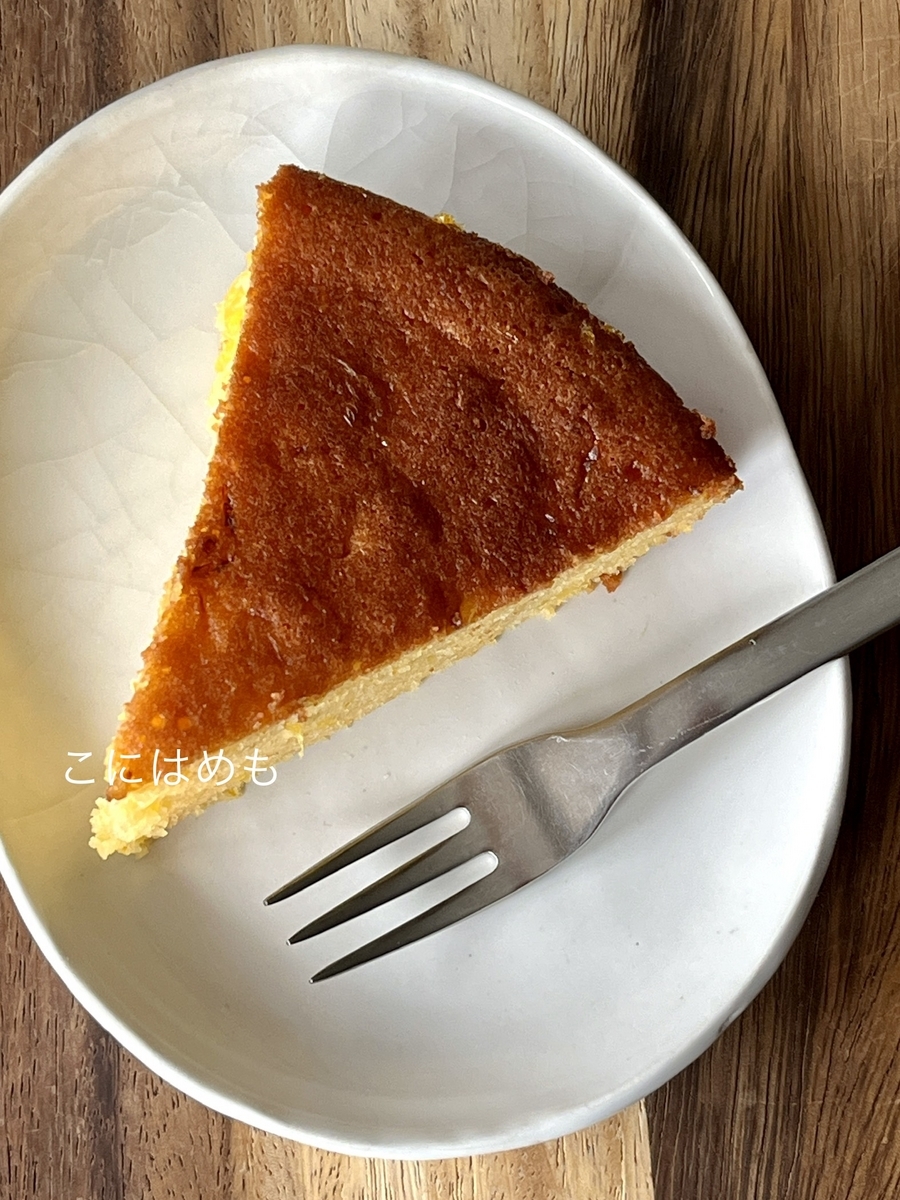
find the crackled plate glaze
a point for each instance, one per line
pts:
(590, 988)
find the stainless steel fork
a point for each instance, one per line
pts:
(532, 805)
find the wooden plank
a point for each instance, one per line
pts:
(608, 1160)
(58, 1130)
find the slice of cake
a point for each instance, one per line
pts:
(421, 442)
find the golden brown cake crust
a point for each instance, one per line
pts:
(420, 426)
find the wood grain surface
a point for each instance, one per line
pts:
(769, 130)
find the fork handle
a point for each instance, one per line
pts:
(826, 627)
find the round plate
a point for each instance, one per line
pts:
(586, 990)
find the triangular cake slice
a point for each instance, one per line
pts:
(422, 441)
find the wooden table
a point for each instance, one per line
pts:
(770, 131)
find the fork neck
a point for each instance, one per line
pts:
(818, 631)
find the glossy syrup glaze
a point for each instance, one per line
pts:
(420, 426)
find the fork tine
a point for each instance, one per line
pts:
(465, 903)
(436, 804)
(428, 865)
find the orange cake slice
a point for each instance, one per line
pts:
(421, 441)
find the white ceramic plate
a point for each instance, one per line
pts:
(593, 986)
